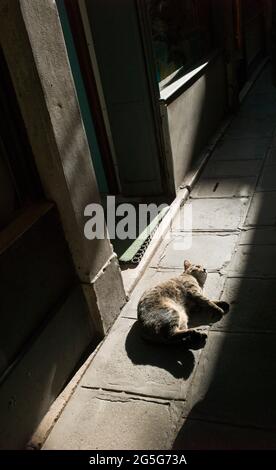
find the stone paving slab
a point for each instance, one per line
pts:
(226, 168)
(262, 209)
(224, 187)
(126, 362)
(213, 287)
(251, 305)
(243, 148)
(211, 214)
(95, 420)
(235, 381)
(271, 157)
(264, 84)
(259, 109)
(260, 101)
(206, 435)
(212, 250)
(247, 126)
(258, 236)
(253, 261)
(268, 179)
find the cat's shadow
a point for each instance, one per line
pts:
(175, 359)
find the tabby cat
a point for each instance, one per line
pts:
(165, 310)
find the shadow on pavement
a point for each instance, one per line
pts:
(175, 359)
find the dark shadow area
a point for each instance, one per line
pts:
(176, 359)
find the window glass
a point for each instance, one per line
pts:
(181, 35)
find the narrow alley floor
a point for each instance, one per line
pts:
(138, 396)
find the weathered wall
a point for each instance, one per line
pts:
(194, 116)
(36, 271)
(38, 377)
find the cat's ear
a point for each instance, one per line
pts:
(187, 264)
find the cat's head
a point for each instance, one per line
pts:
(197, 271)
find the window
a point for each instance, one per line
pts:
(181, 34)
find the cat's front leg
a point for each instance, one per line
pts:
(224, 305)
(204, 303)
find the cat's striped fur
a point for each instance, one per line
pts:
(164, 310)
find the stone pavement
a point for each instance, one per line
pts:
(139, 396)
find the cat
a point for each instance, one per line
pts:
(164, 311)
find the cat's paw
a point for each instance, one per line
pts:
(223, 305)
(194, 334)
(196, 339)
